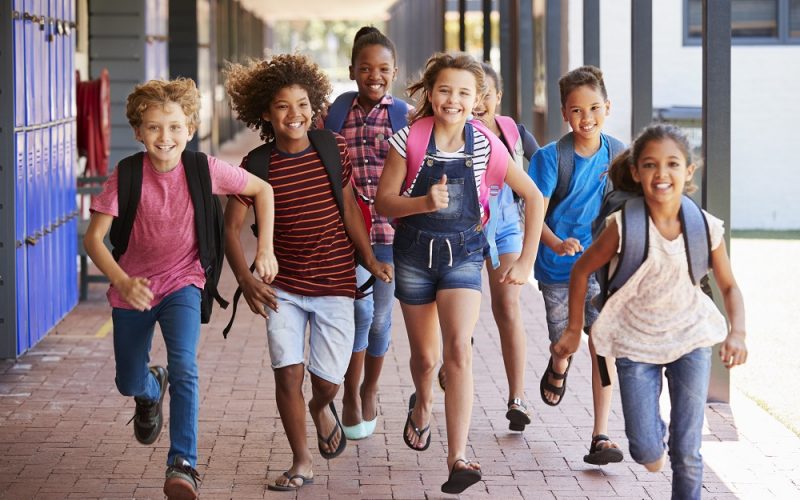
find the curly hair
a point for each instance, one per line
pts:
(436, 63)
(181, 91)
(578, 77)
(253, 86)
(619, 173)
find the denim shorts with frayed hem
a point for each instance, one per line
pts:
(426, 262)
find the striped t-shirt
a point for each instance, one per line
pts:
(315, 256)
(480, 156)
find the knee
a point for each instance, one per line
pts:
(424, 362)
(129, 387)
(656, 465)
(505, 308)
(458, 356)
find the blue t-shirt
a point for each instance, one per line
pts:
(572, 217)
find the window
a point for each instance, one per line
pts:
(753, 22)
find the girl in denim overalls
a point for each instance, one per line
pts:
(438, 247)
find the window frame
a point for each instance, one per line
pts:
(783, 37)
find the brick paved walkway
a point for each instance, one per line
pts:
(63, 433)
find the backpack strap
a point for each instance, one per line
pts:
(510, 132)
(129, 192)
(324, 142)
(398, 114)
(635, 242)
(198, 178)
(418, 135)
(697, 238)
(337, 111)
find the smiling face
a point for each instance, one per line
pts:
(164, 131)
(290, 114)
(374, 71)
(487, 108)
(662, 171)
(585, 110)
(453, 96)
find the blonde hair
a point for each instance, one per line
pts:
(181, 91)
(435, 64)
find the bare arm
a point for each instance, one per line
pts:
(733, 351)
(597, 255)
(357, 231)
(256, 292)
(388, 200)
(521, 184)
(264, 206)
(135, 291)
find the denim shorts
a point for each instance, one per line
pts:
(331, 340)
(427, 262)
(556, 305)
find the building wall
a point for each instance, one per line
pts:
(764, 170)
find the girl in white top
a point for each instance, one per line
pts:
(659, 320)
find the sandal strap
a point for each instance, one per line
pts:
(598, 439)
(518, 402)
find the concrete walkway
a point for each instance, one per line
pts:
(63, 432)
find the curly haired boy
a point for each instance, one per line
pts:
(314, 245)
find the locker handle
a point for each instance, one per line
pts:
(31, 240)
(26, 16)
(15, 14)
(19, 244)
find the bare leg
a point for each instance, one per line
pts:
(369, 388)
(601, 396)
(423, 338)
(322, 393)
(291, 407)
(351, 401)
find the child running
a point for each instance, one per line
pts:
(505, 298)
(572, 202)
(431, 183)
(314, 240)
(660, 321)
(366, 119)
(159, 277)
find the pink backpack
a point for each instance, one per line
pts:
(493, 179)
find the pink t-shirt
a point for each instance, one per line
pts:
(163, 243)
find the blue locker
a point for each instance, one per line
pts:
(18, 27)
(70, 156)
(58, 267)
(31, 237)
(45, 83)
(69, 58)
(52, 57)
(36, 41)
(46, 241)
(20, 156)
(29, 62)
(59, 46)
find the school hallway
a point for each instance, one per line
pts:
(63, 432)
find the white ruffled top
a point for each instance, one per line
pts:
(659, 314)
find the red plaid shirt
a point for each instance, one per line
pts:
(367, 136)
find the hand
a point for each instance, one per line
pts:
(381, 270)
(136, 292)
(733, 351)
(517, 274)
(258, 294)
(266, 266)
(569, 246)
(438, 197)
(568, 344)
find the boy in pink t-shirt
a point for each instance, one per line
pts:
(159, 277)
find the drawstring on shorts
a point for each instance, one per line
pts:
(430, 252)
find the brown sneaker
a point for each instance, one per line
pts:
(181, 481)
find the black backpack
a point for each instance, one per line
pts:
(324, 143)
(209, 220)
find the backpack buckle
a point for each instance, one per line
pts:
(494, 190)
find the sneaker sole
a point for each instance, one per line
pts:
(179, 489)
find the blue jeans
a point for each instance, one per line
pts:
(178, 314)
(374, 312)
(640, 387)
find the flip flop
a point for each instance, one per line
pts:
(342, 442)
(461, 479)
(545, 384)
(598, 456)
(289, 486)
(517, 417)
(412, 401)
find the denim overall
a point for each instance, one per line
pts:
(441, 249)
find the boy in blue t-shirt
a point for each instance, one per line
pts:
(568, 230)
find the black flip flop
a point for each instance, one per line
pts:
(412, 401)
(603, 456)
(342, 441)
(545, 384)
(289, 487)
(461, 479)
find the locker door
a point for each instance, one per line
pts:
(70, 156)
(20, 157)
(69, 59)
(46, 241)
(18, 27)
(29, 61)
(51, 45)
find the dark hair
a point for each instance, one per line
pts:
(370, 35)
(253, 86)
(436, 63)
(620, 171)
(491, 73)
(585, 75)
